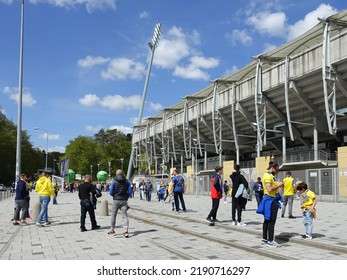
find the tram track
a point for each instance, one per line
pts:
(150, 216)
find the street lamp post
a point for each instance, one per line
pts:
(152, 44)
(20, 99)
(122, 160)
(109, 170)
(37, 128)
(91, 171)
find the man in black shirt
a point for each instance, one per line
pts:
(86, 193)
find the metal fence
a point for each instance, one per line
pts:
(324, 182)
(6, 194)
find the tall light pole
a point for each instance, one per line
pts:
(91, 171)
(20, 98)
(122, 160)
(109, 170)
(152, 44)
(37, 128)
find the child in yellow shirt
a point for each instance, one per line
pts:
(308, 207)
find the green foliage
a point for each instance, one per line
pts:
(31, 159)
(106, 146)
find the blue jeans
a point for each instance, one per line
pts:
(307, 218)
(43, 215)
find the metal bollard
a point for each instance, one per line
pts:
(104, 208)
(35, 211)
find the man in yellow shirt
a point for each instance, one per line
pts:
(289, 186)
(270, 204)
(308, 207)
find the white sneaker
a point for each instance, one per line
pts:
(233, 223)
(241, 224)
(273, 244)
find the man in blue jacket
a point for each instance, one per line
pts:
(21, 203)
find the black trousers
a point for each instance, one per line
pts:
(87, 207)
(269, 225)
(215, 206)
(178, 196)
(237, 204)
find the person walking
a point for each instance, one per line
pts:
(237, 203)
(289, 187)
(308, 207)
(178, 190)
(270, 204)
(119, 192)
(21, 204)
(87, 196)
(226, 190)
(45, 190)
(258, 190)
(216, 194)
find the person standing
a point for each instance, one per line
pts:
(20, 200)
(226, 190)
(119, 192)
(237, 203)
(148, 190)
(45, 190)
(87, 196)
(258, 190)
(216, 194)
(270, 204)
(178, 190)
(142, 189)
(308, 207)
(289, 186)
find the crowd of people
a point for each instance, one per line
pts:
(266, 190)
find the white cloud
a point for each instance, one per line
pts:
(89, 100)
(268, 47)
(93, 129)
(57, 149)
(91, 61)
(2, 111)
(91, 5)
(8, 2)
(172, 49)
(27, 99)
(122, 69)
(230, 71)
(155, 106)
(113, 102)
(51, 137)
(122, 128)
(239, 36)
(273, 24)
(144, 14)
(193, 69)
(309, 21)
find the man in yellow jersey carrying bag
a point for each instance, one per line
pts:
(270, 204)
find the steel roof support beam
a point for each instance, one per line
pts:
(260, 109)
(302, 96)
(148, 145)
(286, 96)
(329, 82)
(165, 139)
(233, 99)
(198, 104)
(217, 121)
(341, 84)
(187, 133)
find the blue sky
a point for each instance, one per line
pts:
(85, 61)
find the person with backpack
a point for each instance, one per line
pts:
(119, 192)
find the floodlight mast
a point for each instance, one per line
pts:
(153, 45)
